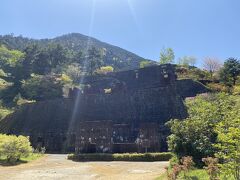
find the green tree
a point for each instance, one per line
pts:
(187, 61)
(9, 58)
(228, 144)
(48, 58)
(167, 56)
(3, 83)
(74, 72)
(195, 136)
(10, 63)
(11, 73)
(230, 72)
(31, 56)
(144, 64)
(94, 60)
(40, 87)
(78, 58)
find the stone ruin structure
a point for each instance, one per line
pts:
(117, 112)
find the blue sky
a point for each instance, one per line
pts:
(198, 28)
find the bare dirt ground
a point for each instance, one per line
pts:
(57, 167)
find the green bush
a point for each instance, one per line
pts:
(196, 135)
(12, 148)
(187, 72)
(40, 87)
(121, 157)
(236, 90)
(217, 87)
(174, 160)
(4, 112)
(104, 70)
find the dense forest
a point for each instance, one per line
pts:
(76, 45)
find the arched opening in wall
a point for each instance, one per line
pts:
(91, 148)
(136, 74)
(72, 143)
(40, 142)
(125, 148)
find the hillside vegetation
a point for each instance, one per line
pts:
(77, 44)
(209, 138)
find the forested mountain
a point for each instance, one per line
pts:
(32, 69)
(76, 43)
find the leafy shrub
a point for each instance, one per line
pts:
(18, 100)
(184, 72)
(4, 112)
(40, 87)
(3, 83)
(14, 147)
(236, 90)
(228, 143)
(212, 167)
(175, 172)
(39, 150)
(43, 150)
(105, 70)
(174, 160)
(217, 87)
(187, 164)
(121, 157)
(196, 135)
(65, 79)
(145, 63)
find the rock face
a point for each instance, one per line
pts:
(117, 112)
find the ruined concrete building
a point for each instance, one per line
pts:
(118, 112)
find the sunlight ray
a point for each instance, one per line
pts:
(78, 98)
(133, 13)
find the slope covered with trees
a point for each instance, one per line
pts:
(77, 44)
(33, 69)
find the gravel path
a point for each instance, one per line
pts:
(57, 167)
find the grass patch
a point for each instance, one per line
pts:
(31, 157)
(196, 174)
(162, 177)
(150, 157)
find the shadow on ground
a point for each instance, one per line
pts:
(4, 162)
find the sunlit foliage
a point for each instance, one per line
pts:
(12, 148)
